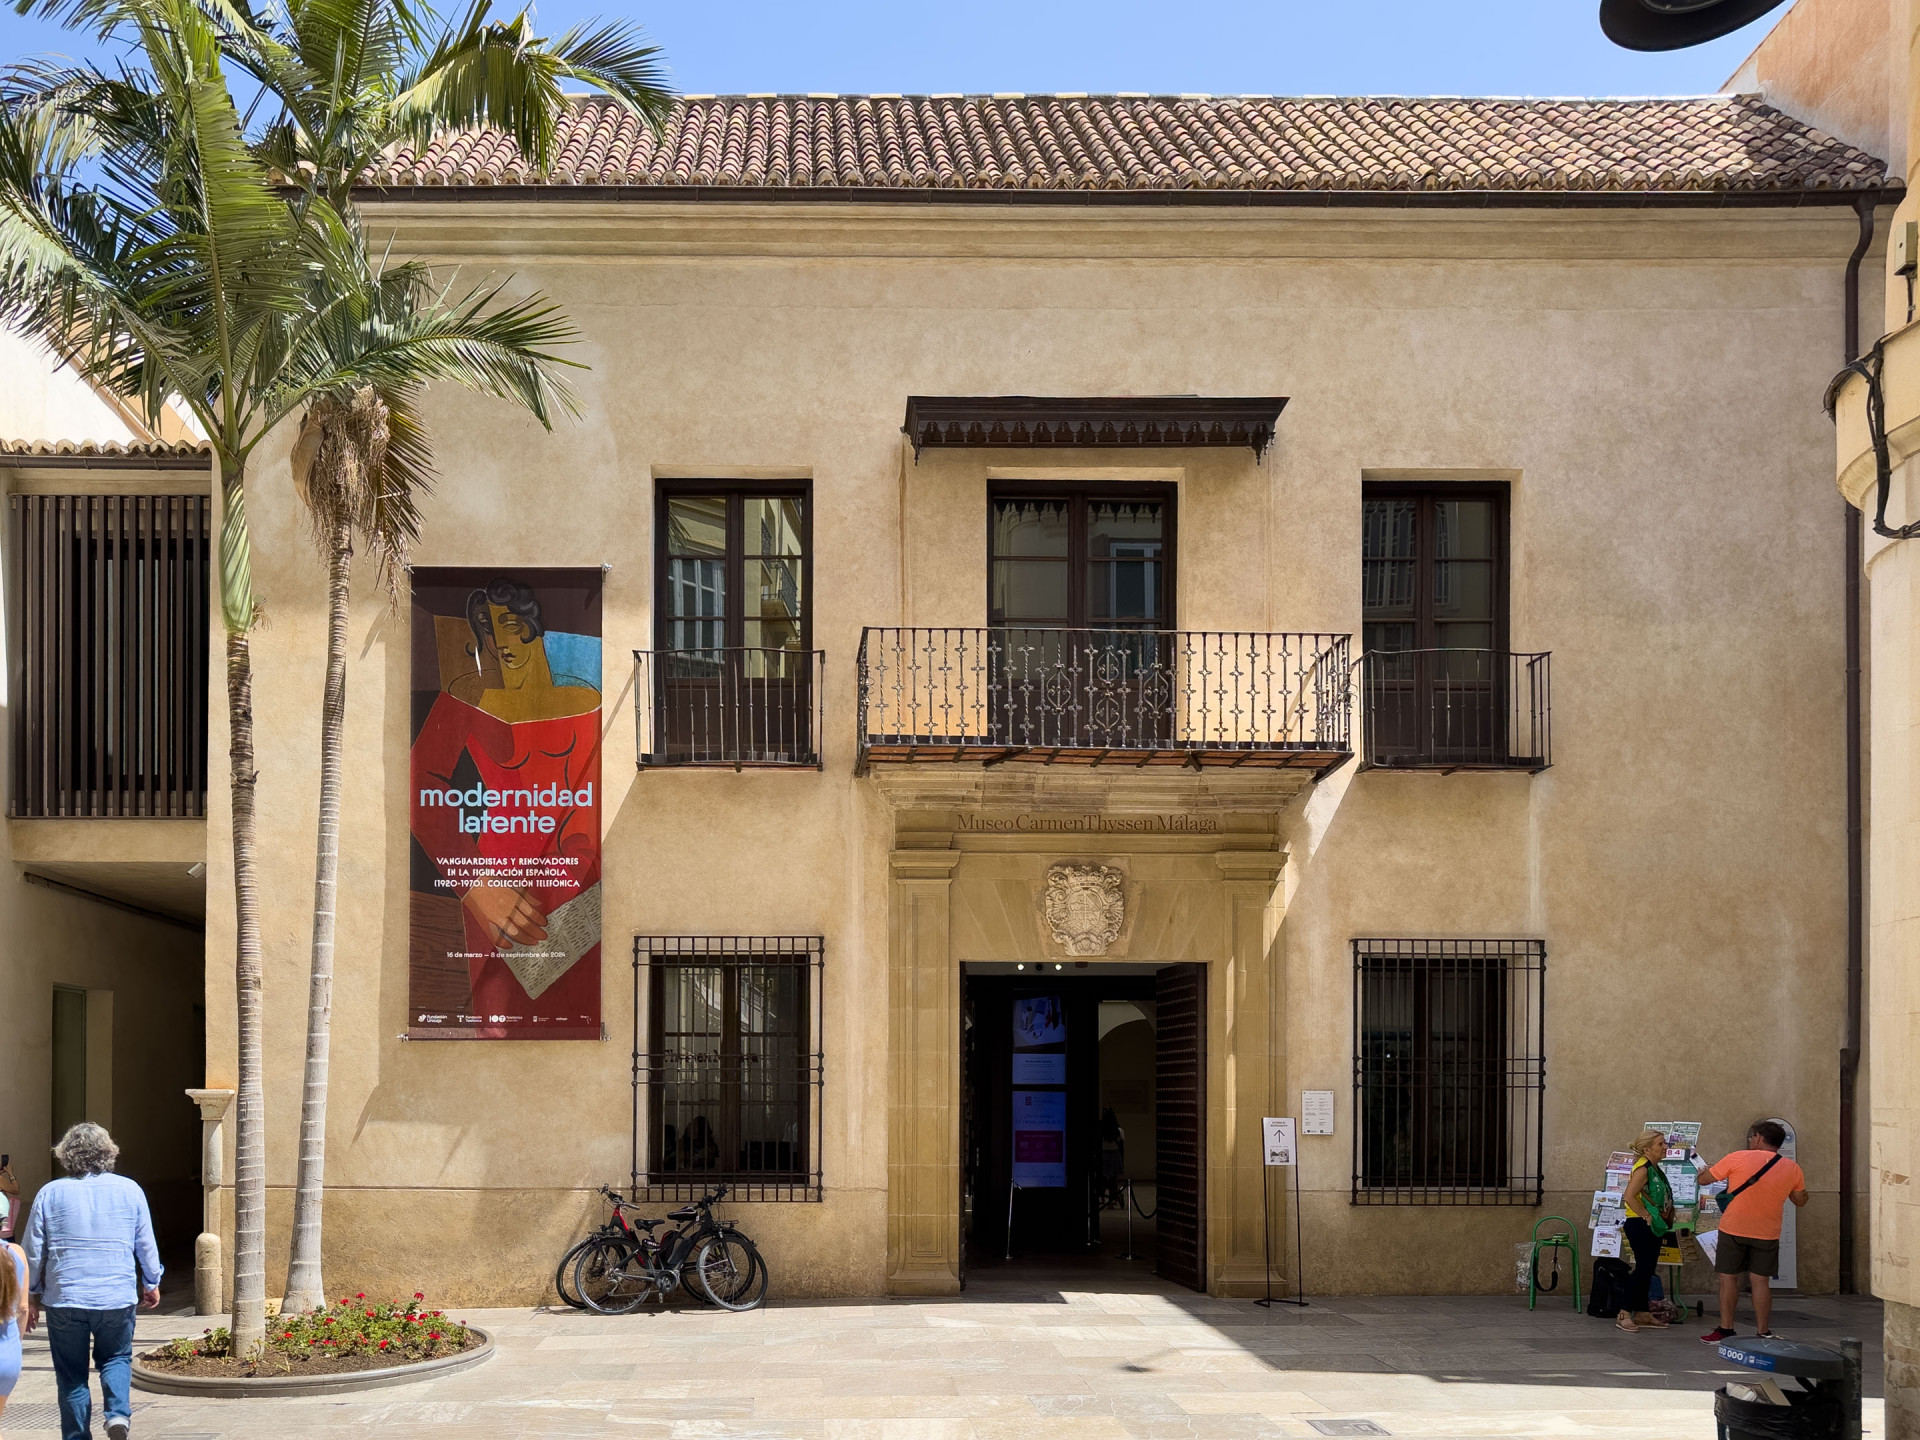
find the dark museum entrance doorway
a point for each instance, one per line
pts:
(1084, 1105)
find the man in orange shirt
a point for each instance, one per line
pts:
(1760, 1182)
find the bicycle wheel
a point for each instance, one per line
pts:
(601, 1278)
(563, 1273)
(731, 1271)
(690, 1282)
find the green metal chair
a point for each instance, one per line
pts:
(1567, 1239)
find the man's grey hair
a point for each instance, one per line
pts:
(86, 1149)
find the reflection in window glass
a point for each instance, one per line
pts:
(1034, 591)
(1030, 527)
(1120, 520)
(773, 527)
(697, 525)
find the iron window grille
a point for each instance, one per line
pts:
(1449, 1071)
(727, 1065)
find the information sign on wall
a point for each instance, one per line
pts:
(504, 869)
(1316, 1112)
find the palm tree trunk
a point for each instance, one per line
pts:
(305, 1289)
(249, 1123)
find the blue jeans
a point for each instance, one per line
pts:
(110, 1333)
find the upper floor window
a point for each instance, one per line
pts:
(1438, 686)
(1080, 557)
(1433, 569)
(734, 570)
(733, 677)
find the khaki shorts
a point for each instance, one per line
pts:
(1737, 1255)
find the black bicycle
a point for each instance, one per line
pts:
(710, 1258)
(616, 1229)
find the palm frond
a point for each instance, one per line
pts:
(615, 57)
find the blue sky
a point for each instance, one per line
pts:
(1221, 47)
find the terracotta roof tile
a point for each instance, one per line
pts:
(26, 451)
(1724, 144)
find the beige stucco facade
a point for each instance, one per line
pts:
(1682, 860)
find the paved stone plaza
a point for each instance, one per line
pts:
(1092, 1355)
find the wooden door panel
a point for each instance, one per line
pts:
(1180, 1131)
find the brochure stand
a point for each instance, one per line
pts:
(1280, 1154)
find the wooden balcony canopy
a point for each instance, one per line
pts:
(1122, 422)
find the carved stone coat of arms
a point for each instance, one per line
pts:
(1084, 907)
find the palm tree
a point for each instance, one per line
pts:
(361, 460)
(343, 80)
(140, 236)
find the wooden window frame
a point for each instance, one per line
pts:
(1425, 565)
(1078, 493)
(736, 492)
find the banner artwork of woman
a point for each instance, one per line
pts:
(505, 872)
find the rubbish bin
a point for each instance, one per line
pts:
(1823, 1400)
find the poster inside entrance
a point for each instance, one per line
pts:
(504, 864)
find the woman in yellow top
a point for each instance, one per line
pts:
(1649, 1206)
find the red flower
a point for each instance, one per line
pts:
(433, 1334)
(286, 1335)
(419, 1294)
(369, 1314)
(436, 1314)
(385, 1343)
(327, 1321)
(360, 1295)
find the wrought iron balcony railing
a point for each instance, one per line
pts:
(1456, 710)
(1140, 697)
(741, 707)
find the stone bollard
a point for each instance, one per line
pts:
(209, 1274)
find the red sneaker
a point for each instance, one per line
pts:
(1716, 1335)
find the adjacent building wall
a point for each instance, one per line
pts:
(43, 399)
(1839, 65)
(1642, 381)
(143, 974)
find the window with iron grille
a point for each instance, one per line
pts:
(1449, 1071)
(727, 1065)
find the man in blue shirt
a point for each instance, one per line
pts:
(91, 1255)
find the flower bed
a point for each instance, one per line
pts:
(351, 1334)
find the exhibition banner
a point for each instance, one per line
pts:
(504, 864)
(1039, 1041)
(1039, 1139)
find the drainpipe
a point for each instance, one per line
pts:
(1856, 918)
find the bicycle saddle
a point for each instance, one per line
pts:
(685, 1212)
